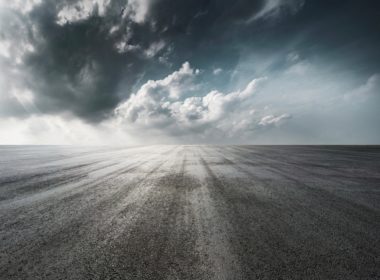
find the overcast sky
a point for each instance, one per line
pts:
(157, 71)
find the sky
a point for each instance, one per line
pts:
(136, 72)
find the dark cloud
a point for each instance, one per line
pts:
(76, 67)
(88, 63)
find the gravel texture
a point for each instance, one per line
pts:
(190, 212)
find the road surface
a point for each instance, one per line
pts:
(190, 212)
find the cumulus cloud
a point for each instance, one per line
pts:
(72, 11)
(137, 10)
(162, 109)
(151, 101)
(80, 60)
(166, 105)
(272, 120)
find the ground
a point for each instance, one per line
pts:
(190, 212)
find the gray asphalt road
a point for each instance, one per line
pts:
(190, 212)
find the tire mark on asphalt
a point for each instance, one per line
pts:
(214, 230)
(254, 241)
(187, 213)
(162, 240)
(58, 238)
(339, 233)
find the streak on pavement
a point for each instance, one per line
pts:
(190, 212)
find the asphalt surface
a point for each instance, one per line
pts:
(190, 212)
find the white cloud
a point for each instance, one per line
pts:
(137, 10)
(81, 10)
(165, 105)
(272, 120)
(154, 96)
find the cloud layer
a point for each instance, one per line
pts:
(169, 105)
(191, 71)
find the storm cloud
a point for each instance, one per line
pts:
(303, 71)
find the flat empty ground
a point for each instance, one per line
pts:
(190, 212)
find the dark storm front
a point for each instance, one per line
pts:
(190, 212)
